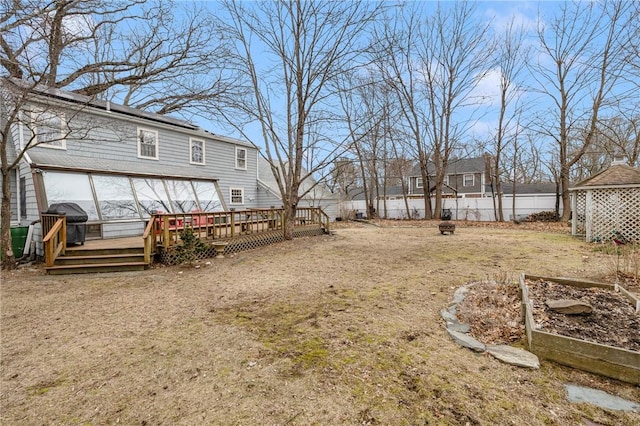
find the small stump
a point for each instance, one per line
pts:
(220, 246)
(447, 227)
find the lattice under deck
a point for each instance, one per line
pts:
(175, 255)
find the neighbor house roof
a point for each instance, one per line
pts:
(615, 175)
(456, 166)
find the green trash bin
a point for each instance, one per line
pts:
(18, 239)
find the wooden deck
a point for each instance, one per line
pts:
(111, 243)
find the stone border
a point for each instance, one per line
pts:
(459, 332)
(610, 361)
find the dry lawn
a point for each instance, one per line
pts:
(341, 329)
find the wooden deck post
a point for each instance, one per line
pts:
(165, 232)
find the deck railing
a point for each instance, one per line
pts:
(54, 229)
(167, 227)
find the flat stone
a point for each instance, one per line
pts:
(466, 341)
(459, 294)
(569, 306)
(448, 316)
(514, 356)
(600, 399)
(460, 327)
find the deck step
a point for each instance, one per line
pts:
(96, 267)
(99, 259)
(72, 252)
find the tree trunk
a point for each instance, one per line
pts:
(8, 259)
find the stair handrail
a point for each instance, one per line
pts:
(149, 240)
(55, 242)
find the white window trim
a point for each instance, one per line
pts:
(419, 183)
(34, 129)
(231, 196)
(446, 180)
(191, 141)
(155, 132)
(464, 179)
(238, 149)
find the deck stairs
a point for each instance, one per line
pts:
(93, 260)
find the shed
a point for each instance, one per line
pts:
(608, 203)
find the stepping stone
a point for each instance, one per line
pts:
(514, 356)
(600, 399)
(569, 306)
(448, 316)
(460, 327)
(466, 341)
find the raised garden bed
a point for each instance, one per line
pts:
(606, 342)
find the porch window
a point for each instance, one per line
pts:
(237, 195)
(48, 129)
(196, 151)
(241, 158)
(182, 197)
(207, 195)
(70, 188)
(147, 144)
(115, 197)
(152, 196)
(469, 179)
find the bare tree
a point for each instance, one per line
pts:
(134, 52)
(302, 47)
(583, 54)
(434, 64)
(396, 44)
(510, 63)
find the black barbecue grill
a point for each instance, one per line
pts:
(76, 220)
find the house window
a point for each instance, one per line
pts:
(237, 195)
(419, 183)
(241, 158)
(196, 151)
(469, 180)
(48, 129)
(446, 180)
(147, 144)
(23, 197)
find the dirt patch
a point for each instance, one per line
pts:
(341, 329)
(613, 321)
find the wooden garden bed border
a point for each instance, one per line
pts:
(610, 361)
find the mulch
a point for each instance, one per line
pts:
(493, 312)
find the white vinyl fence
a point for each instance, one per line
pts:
(476, 209)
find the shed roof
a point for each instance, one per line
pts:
(615, 175)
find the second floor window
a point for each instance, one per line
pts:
(419, 183)
(48, 129)
(241, 158)
(147, 144)
(469, 180)
(197, 151)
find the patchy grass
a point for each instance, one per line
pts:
(338, 329)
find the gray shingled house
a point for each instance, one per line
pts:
(121, 164)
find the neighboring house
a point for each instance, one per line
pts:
(121, 164)
(607, 205)
(465, 177)
(317, 194)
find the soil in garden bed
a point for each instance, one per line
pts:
(613, 321)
